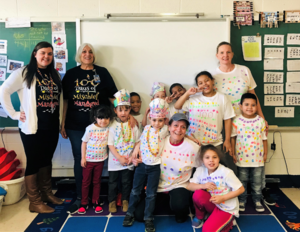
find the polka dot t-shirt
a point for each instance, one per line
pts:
(234, 84)
(96, 139)
(249, 147)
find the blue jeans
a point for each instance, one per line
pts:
(75, 137)
(255, 180)
(144, 172)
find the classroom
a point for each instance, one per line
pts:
(145, 46)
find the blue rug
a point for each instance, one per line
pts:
(82, 224)
(264, 223)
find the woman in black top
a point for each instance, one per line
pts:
(84, 86)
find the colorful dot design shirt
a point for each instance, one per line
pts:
(123, 147)
(234, 84)
(226, 182)
(206, 115)
(96, 138)
(249, 147)
(156, 142)
(173, 111)
(177, 163)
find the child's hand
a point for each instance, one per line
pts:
(123, 161)
(83, 162)
(171, 98)
(227, 147)
(217, 199)
(130, 160)
(210, 186)
(193, 91)
(147, 110)
(234, 158)
(265, 157)
(193, 138)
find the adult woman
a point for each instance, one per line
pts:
(178, 159)
(39, 88)
(84, 86)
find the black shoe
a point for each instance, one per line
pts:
(128, 220)
(73, 209)
(101, 201)
(267, 198)
(180, 219)
(149, 226)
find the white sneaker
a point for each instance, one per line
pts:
(242, 207)
(259, 207)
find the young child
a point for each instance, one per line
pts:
(94, 153)
(176, 91)
(249, 141)
(151, 146)
(207, 111)
(216, 190)
(158, 91)
(136, 103)
(121, 141)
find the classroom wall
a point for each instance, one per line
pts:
(70, 9)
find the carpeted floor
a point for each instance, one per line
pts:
(272, 220)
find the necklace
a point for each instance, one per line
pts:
(49, 84)
(123, 133)
(149, 147)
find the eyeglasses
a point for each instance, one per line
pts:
(85, 82)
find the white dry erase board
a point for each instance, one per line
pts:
(139, 53)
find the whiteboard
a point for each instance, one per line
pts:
(138, 53)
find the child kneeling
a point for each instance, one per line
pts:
(216, 190)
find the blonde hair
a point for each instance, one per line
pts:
(79, 51)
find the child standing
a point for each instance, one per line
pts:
(207, 111)
(121, 141)
(94, 153)
(216, 190)
(249, 141)
(136, 103)
(176, 91)
(151, 146)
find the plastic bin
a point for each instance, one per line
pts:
(15, 190)
(2, 197)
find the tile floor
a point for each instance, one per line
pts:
(16, 217)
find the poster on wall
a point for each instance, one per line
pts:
(291, 16)
(242, 13)
(3, 46)
(59, 41)
(269, 19)
(61, 55)
(2, 74)
(60, 66)
(3, 60)
(58, 28)
(251, 46)
(13, 65)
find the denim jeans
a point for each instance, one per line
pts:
(152, 174)
(75, 137)
(256, 179)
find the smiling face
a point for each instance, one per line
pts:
(160, 94)
(136, 104)
(225, 55)
(44, 57)
(122, 112)
(178, 91)
(157, 123)
(211, 161)
(102, 122)
(249, 108)
(177, 131)
(205, 84)
(87, 56)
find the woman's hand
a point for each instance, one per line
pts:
(22, 116)
(83, 162)
(217, 199)
(210, 186)
(63, 132)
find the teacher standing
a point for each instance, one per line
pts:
(38, 86)
(84, 86)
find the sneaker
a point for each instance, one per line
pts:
(259, 207)
(125, 206)
(197, 223)
(83, 209)
(119, 199)
(101, 201)
(74, 208)
(97, 207)
(149, 226)
(128, 220)
(242, 206)
(267, 198)
(112, 207)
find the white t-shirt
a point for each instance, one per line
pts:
(250, 133)
(96, 139)
(124, 148)
(206, 115)
(226, 182)
(177, 163)
(139, 118)
(173, 111)
(234, 84)
(156, 142)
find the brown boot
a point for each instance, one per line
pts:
(125, 206)
(36, 204)
(112, 207)
(45, 186)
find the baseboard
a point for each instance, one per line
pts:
(284, 181)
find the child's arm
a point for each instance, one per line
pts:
(122, 159)
(144, 121)
(193, 139)
(233, 141)
(226, 144)
(135, 152)
(180, 102)
(265, 142)
(218, 199)
(209, 186)
(83, 154)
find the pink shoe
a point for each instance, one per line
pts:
(83, 209)
(98, 208)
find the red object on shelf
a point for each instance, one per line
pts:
(9, 168)
(7, 158)
(14, 175)
(2, 151)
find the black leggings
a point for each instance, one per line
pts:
(39, 149)
(179, 199)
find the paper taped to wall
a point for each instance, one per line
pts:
(274, 64)
(251, 46)
(273, 77)
(292, 87)
(273, 88)
(275, 40)
(293, 53)
(293, 65)
(274, 100)
(293, 77)
(293, 99)
(293, 38)
(284, 112)
(274, 53)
